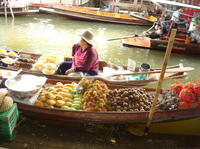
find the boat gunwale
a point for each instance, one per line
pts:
(179, 47)
(121, 83)
(127, 83)
(103, 18)
(109, 117)
(135, 19)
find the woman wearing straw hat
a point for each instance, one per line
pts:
(84, 58)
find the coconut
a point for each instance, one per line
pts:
(6, 104)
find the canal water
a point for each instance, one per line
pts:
(53, 34)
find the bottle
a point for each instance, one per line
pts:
(144, 68)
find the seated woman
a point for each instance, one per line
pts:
(84, 58)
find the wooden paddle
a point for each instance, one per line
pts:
(173, 70)
(119, 38)
(143, 35)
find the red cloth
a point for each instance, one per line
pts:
(86, 60)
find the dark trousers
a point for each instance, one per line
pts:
(64, 66)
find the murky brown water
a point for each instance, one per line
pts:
(34, 135)
(42, 33)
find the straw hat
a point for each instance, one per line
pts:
(88, 37)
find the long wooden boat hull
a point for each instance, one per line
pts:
(92, 15)
(146, 42)
(105, 117)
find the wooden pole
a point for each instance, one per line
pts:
(141, 3)
(135, 2)
(5, 8)
(11, 9)
(165, 62)
(119, 38)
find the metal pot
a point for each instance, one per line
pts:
(23, 86)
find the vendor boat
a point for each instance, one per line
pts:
(91, 14)
(65, 116)
(180, 45)
(175, 72)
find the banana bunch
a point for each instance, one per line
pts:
(58, 96)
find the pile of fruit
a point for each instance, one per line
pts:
(3, 52)
(83, 85)
(10, 53)
(67, 96)
(189, 94)
(94, 97)
(60, 96)
(129, 99)
(168, 101)
(91, 95)
(25, 63)
(47, 64)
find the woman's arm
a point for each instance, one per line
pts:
(74, 48)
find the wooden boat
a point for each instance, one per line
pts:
(180, 46)
(65, 116)
(18, 11)
(185, 127)
(86, 13)
(148, 19)
(108, 80)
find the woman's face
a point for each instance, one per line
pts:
(82, 43)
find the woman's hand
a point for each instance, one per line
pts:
(69, 71)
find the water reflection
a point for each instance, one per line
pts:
(56, 34)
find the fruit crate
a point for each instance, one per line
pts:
(8, 121)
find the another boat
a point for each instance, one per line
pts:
(18, 11)
(53, 114)
(149, 18)
(112, 80)
(180, 45)
(86, 13)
